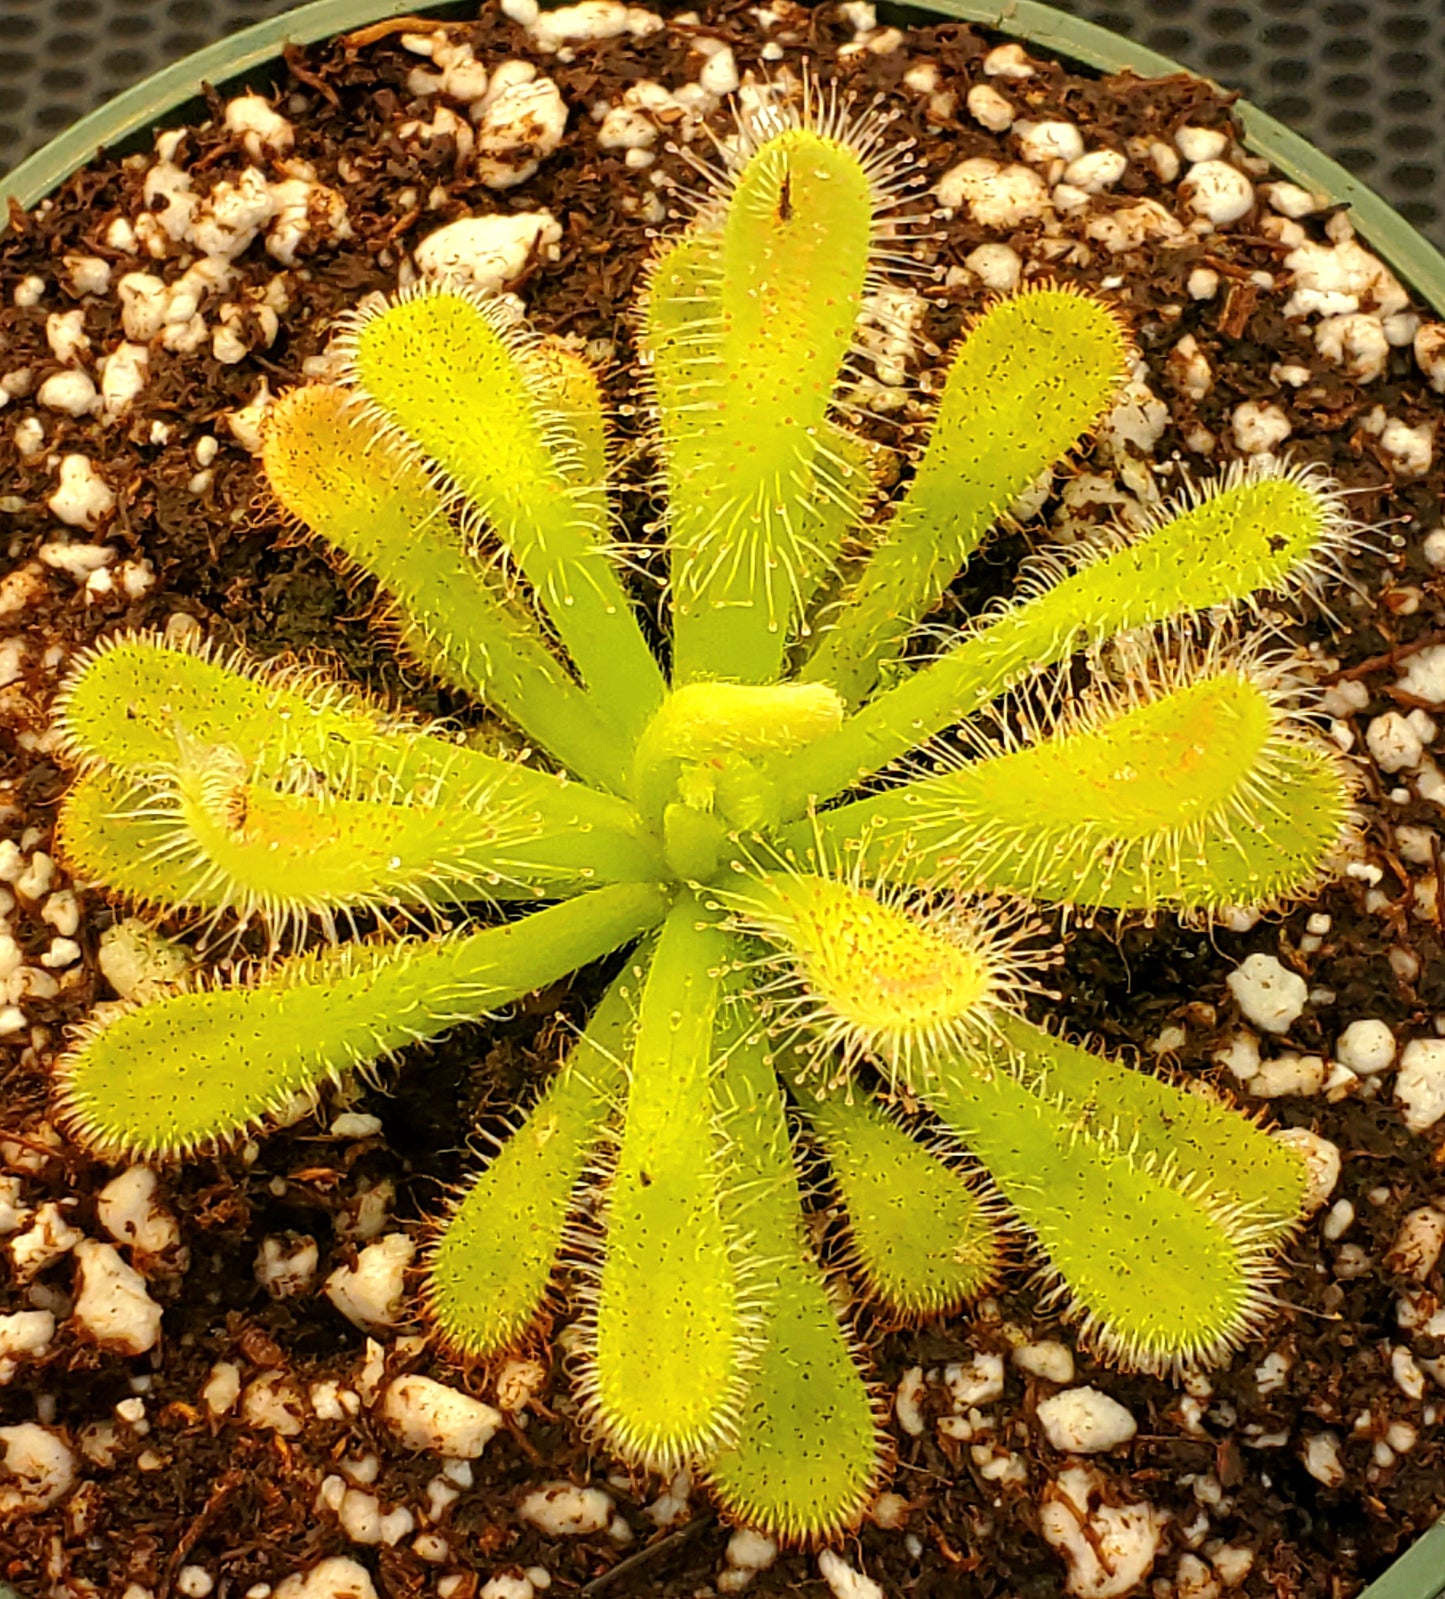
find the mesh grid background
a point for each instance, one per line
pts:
(1362, 79)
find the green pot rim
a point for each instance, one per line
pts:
(1420, 1572)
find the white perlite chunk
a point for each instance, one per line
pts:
(907, 1402)
(127, 1209)
(48, 1237)
(1424, 675)
(1083, 1421)
(334, 1578)
(259, 127)
(1429, 345)
(1041, 143)
(1332, 279)
(1290, 200)
(39, 1469)
(1407, 451)
(1322, 1459)
(71, 392)
(1109, 1550)
(286, 1266)
(1393, 743)
(519, 1382)
(429, 1415)
(988, 106)
(1201, 144)
(222, 1388)
(1405, 1369)
(1231, 1563)
(273, 1403)
(627, 128)
(305, 210)
(1048, 1358)
(1420, 1083)
(522, 121)
(1322, 1163)
(229, 219)
(994, 194)
(671, 1504)
(1097, 171)
(1415, 843)
(122, 379)
(144, 301)
(1133, 225)
(355, 1124)
(34, 882)
(591, 19)
(1268, 993)
(507, 1585)
(370, 1293)
(76, 560)
(1289, 1073)
(488, 252)
(1259, 427)
(748, 1553)
(19, 588)
(1273, 1371)
(88, 274)
(1007, 61)
(1138, 418)
(361, 1515)
(1418, 1242)
(82, 497)
(332, 1402)
(29, 436)
(979, 1382)
(1189, 368)
(1203, 284)
(1339, 1221)
(1217, 192)
(245, 424)
(844, 1582)
(65, 334)
(1193, 1579)
(562, 1511)
(136, 960)
(113, 1306)
(24, 1335)
(1356, 342)
(719, 73)
(1366, 1047)
(997, 266)
(221, 225)
(463, 76)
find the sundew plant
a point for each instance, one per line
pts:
(812, 853)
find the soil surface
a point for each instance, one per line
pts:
(169, 1495)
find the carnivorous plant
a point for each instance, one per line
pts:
(812, 841)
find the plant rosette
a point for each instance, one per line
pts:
(854, 954)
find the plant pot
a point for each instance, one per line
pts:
(1420, 1574)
